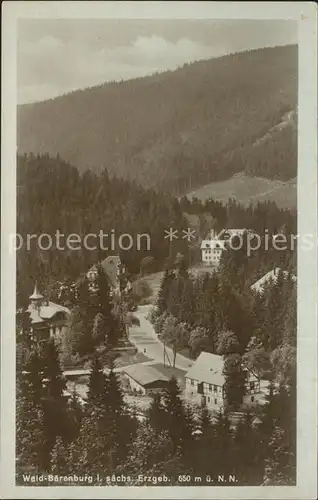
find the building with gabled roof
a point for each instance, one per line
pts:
(270, 278)
(48, 319)
(211, 251)
(144, 379)
(205, 382)
(114, 271)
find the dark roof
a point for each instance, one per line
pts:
(144, 374)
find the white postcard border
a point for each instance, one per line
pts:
(305, 13)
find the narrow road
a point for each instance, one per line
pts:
(145, 339)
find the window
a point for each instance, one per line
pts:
(252, 386)
(210, 387)
(215, 388)
(215, 401)
(208, 399)
(192, 381)
(252, 399)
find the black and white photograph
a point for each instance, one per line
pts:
(158, 253)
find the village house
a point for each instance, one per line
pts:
(115, 272)
(205, 383)
(144, 379)
(270, 278)
(47, 318)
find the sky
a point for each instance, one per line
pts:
(56, 56)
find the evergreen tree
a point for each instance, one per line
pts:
(96, 383)
(235, 378)
(280, 453)
(175, 296)
(163, 293)
(99, 329)
(247, 453)
(54, 380)
(54, 404)
(92, 450)
(205, 421)
(156, 413)
(60, 458)
(31, 377)
(105, 306)
(223, 445)
(175, 416)
(29, 416)
(149, 452)
(75, 415)
(118, 423)
(103, 293)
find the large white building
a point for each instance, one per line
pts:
(211, 251)
(205, 383)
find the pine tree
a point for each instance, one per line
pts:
(247, 454)
(235, 377)
(96, 383)
(117, 421)
(31, 377)
(156, 413)
(223, 445)
(54, 404)
(30, 417)
(149, 452)
(54, 380)
(205, 421)
(280, 452)
(99, 332)
(174, 421)
(105, 307)
(92, 449)
(175, 296)
(60, 458)
(75, 415)
(164, 290)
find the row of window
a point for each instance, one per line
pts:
(211, 257)
(215, 400)
(212, 387)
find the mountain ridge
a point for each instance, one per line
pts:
(176, 129)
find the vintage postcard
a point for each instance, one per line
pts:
(159, 250)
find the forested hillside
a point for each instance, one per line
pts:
(181, 129)
(53, 195)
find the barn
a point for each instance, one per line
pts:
(144, 379)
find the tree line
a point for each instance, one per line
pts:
(103, 437)
(52, 195)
